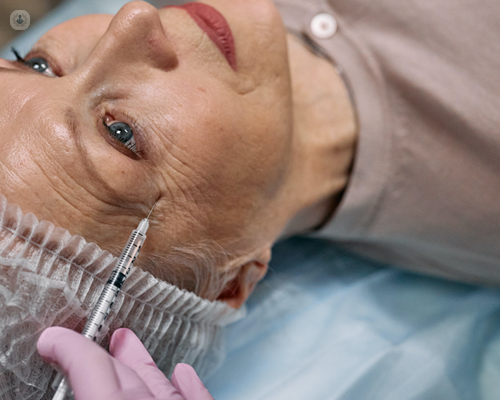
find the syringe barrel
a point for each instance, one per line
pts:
(114, 284)
(108, 296)
(130, 252)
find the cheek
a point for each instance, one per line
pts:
(259, 35)
(232, 152)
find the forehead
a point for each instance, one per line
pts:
(66, 41)
(91, 24)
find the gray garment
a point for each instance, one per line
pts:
(424, 191)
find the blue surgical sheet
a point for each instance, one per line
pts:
(328, 325)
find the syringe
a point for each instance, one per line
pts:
(108, 296)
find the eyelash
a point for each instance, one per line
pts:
(137, 151)
(137, 137)
(18, 56)
(52, 72)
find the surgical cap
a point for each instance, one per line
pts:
(49, 277)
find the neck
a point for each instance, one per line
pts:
(325, 137)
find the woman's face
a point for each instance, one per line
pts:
(212, 135)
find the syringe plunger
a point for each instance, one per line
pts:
(108, 296)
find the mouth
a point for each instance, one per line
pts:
(213, 23)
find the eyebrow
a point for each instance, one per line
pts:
(74, 126)
(15, 71)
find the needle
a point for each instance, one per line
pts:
(154, 205)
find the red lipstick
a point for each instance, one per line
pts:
(213, 23)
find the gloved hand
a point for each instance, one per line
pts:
(127, 373)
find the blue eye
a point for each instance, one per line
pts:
(123, 133)
(37, 64)
(40, 65)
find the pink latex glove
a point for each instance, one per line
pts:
(127, 373)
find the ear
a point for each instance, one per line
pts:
(237, 290)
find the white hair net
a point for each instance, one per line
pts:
(48, 277)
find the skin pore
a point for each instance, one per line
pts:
(235, 157)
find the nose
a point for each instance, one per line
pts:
(134, 39)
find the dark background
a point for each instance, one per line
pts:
(36, 9)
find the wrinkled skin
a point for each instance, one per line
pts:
(210, 137)
(216, 145)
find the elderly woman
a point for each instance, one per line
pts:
(162, 105)
(358, 122)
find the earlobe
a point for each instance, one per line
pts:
(241, 286)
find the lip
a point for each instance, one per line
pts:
(213, 23)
